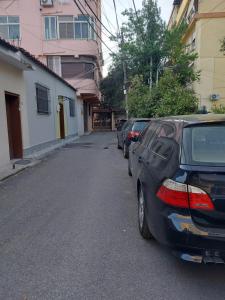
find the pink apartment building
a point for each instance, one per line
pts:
(59, 35)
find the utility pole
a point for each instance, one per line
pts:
(125, 81)
(150, 75)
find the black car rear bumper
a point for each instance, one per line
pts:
(191, 242)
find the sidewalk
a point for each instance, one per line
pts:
(18, 165)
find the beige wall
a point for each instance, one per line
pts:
(211, 61)
(11, 80)
(208, 30)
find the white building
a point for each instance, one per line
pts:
(37, 107)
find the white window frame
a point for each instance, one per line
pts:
(66, 22)
(10, 23)
(56, 27)
(91, 20)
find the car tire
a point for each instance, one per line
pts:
(142, 222)
(129, 170)
(125, 151)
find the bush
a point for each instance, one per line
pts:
(175, 99)
(219, 109)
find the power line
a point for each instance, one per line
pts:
(107, 19)
(92, 27)
(117, 21)
(97, 18)
(98, 26)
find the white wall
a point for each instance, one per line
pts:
(45, 128)
(11, 80)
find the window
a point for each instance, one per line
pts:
(204, 145)
(54, 64)
(83, 29)
(69, 27)
(140, 125)
(10, 27)
(164, 142)
(43, 99)
(72, 67)
(72, 107)
(66, 27)
(51, 28)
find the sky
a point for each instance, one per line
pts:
(109, 20)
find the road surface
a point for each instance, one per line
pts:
(68, 230)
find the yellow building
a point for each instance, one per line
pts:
(206, 29)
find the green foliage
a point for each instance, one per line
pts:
(143, 36)
(112, 87)
(174, 99)
(178, 57)
(140, 100)
(168, 98)
(219, 109)
(149, 48)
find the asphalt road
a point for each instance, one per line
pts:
(68, 230)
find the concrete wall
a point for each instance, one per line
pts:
(45, 128)
(33, 33)
(211, 61)
(11, 80)
(208, 28)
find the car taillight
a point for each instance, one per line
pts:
(133, 134)
(182, 195)
(198, 199)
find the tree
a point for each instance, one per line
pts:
(112, 87)
(157, 55)
(143, 35)
(141, 50)
(174, 99)
(140, 101)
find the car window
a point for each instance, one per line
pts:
(140, 126)
(125, 125)
(164, 141)
(204, 145)
(149, 134)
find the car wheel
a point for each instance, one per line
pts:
(125, 151)
(143, 226)
(129, 170)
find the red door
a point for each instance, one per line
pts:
(14, 126)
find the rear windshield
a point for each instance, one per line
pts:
(140, 126)
(204, 145)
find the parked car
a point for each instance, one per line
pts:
(129, 131)
(178, 167)
(120, 124)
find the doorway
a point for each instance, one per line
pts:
(14, 125)
(61, 121)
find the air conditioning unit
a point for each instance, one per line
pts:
(46, 3)
(215, 97)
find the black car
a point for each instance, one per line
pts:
(178, 167)
(129, 131)
(120, 124)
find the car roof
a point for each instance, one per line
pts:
(189, 120)
(139, 119)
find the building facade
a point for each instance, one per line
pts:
(206, 29)
(62, 37)
(38, 109)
